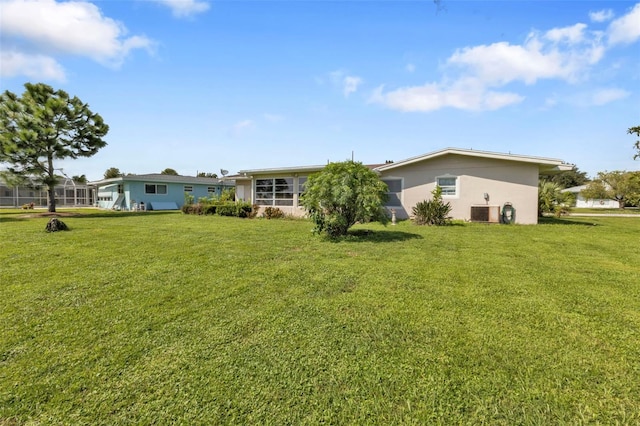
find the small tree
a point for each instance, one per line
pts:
(82, 179)
(170, 172)
(113, 172)
(342, 194)
(622, 186)
(207, 175)
(44, 125)
(635, 131)
(432, 212)
(551, 199)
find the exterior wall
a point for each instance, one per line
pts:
(133, 194)
(503, 181)
(596, 204)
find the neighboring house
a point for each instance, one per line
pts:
(477, 184)
(68, 194)
(155, 191)
(591, 203)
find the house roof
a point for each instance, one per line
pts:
(157, 177)
(575, 189)
(546, 164)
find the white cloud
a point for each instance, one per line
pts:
(601, 15)
(410, 68)
(348, 83)
(433, 96)
(33, 66)
(185, 8)
(74, 27)
(605, 96)
(561, 53)
(571, 35)
(475, 76)
(626, 29)
(351, 84)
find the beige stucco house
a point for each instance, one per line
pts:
(478, 184)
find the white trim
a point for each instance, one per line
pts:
(449, 176)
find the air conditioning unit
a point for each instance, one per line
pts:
(489, 214)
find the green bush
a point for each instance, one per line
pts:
(220, 208)
(192, 208)
(432, 212)
(273, 213)
(246, 210)
(227, 209)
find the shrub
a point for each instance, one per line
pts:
(221, 209)
(227, 209)
(192, 209)
(273, 213)
(342, 194)
(432, 212)
(246, 210)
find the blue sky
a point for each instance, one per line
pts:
(199, 86)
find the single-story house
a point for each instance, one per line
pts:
(591, 203)
(155, 191)
(477, 184)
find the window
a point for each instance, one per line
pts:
(188, 188)
(395, 191)
(274, 192)
(211, 189)
(449, 185)
(152, 188)
(301, 182)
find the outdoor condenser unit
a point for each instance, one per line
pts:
(489, 214)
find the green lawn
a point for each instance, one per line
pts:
(160, 318)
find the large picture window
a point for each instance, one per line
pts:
(152, 188)
(394, 193)
(449, 185)
(274, 192)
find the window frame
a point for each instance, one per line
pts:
(156, 186)
(269, 192)
(447, 188)
(399, 193)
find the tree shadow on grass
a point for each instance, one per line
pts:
(565, 221)
(378, 236)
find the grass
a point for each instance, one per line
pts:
(628, 210)
(164, 318)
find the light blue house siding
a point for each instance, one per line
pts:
(155, 191)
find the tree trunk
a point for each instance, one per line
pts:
(51, 191)
(51, 184)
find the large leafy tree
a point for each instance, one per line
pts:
(169, 171)
(635, 131)
(342, 194)
(44, 125)
(622, 186)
